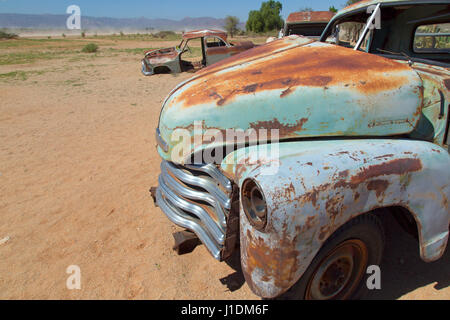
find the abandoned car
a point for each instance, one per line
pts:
(321, 142)
(214, 48)
(307, 23)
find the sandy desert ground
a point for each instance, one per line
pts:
(77, 157)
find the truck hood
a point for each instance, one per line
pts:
(161, 55)
(299, 86)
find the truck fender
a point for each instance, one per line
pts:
(312, 188)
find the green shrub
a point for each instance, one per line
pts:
(7, 35)
(240, 32)
(164, 34)
(90, 48)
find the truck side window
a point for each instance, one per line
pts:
(213, 42)
(432, 38)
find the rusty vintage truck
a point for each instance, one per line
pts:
(361, 130)
(307, 23)
(214, 44)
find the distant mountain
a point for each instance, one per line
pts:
(52, 21)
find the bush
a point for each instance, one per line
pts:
(231, 24)
(90, 48)
(7, 35)
(240, 32)
(164, 34)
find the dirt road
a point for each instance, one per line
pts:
(77, 158)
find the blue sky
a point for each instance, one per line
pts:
(169, 9)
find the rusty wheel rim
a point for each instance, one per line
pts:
(339, 273)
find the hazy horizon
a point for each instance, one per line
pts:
(174, 10)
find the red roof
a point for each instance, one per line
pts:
(310, 16)
(204, 33)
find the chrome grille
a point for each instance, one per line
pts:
(196, 197)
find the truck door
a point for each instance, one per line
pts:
(215, 50)
(434, 122)
(447, 137)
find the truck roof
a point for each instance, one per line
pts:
(309, 16)
(204, 33)
(365, 3)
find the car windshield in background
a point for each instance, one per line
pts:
(314, 30)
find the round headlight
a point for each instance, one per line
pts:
(254, 204)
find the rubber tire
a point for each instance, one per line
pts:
(367, 228)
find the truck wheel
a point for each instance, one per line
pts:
(339, 269)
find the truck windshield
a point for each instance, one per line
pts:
(418, 31)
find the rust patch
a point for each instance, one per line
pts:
(279, 263)
(310, 16)
(324, 230)
(240, 169)
(385, 156)
(332, 206)
(297, 66)
(447, 83)
(397, 166)
(248, 163)
(290, 189)
(250, 88)
(254, 53)
(313, 195)
(285, 93)
(379, 186)
(432, 71)
(444, 199)
(344, 174)
(284, 129)
(309, 222)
